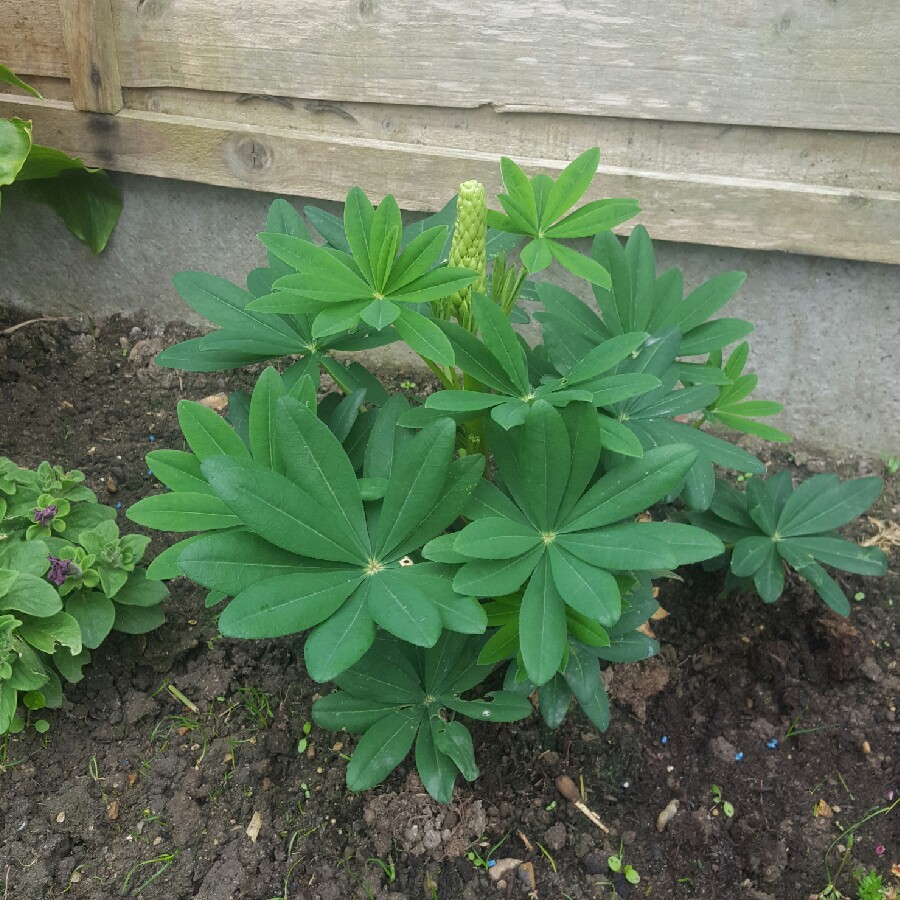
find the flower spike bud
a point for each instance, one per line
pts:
(469, 247)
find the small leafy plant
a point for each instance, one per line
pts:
(618, 865)
(515, 517)
(67, 579)
(720, 802)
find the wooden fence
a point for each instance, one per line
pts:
(770, 124)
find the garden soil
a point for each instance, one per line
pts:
(789, 709)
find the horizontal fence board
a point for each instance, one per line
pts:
(720, 209)
(31, 37)
(784, 63)
(855, 160)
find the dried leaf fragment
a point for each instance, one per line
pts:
(254, 827)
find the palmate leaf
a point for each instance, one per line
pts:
(772, 522)
(561, 538)
(395, 698)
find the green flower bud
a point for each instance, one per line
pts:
(469, 247)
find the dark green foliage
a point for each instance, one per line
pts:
(67, 579)
(517, 517)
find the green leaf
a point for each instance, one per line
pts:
(224, 304)
(500, 339)
(570, 186)
(554, 700)
(95, 615)
(544, 458)
(15, 143)
(376, 677)
(135, 620)
(434, 285)
(182, 512)
(316, 462)
(501, 706)
(207, 434)
(519, 189)
(475, 359)
(423, 336)
(713, 335)
(700, 304)
(768, 579)
(342, 712)
(536, 255)
(843, 554)
(437, 771)
(824, 585)
(50, 632)
(502, 644)
(496, 538)
(582, 674)
(453, 740)
(399, 606)
(178, 471)
(7, 76)
(579, 264)
(380, 313)
(381, 749)
(594, 217)
(341, 640)
(287, 604)
(276, 509)
(616, 438)
(416, 259)
(542, 625)
(139, 591)
(632, 487)
(686, 543)
(463, 401)
(85, 199)
(329, 226)
(190, 356)
(822, 504)
(491, 578)
(325, 275)
(749, 554)
(588, 589)
(31, 595)
(263, 403)
(358, 216)
(385, 240)
(416, 482)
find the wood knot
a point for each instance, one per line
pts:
(248, 154)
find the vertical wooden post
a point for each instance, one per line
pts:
(91, 49)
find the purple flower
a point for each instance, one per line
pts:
(59, 570)
(879, 850)
(46, 515)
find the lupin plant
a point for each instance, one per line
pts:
(67, 579)
(516, 516)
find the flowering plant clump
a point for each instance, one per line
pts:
(67, 579)
(517, 516)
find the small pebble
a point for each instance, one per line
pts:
(119, 504)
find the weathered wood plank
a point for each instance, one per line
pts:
(31, 37)
(855, 160)
(91, 52)
(783, 63)
(702, 208)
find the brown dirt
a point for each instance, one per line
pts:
(130, 788)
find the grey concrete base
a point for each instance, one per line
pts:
(825, 345)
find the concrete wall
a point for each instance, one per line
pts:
(825, 345)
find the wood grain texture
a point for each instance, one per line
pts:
(719, 209)
(822, 64)
(31, 37)
(91, 52)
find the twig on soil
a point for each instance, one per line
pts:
(13, 328)
(567, 788)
